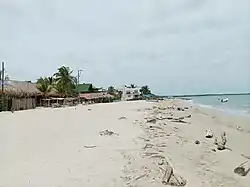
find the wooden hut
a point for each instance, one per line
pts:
(19, 95)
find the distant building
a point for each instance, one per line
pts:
(130, 93)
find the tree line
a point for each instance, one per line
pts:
(64, 84)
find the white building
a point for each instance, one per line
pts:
(129, 93)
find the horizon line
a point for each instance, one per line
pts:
(206, 94)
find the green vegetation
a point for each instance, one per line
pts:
(116, 93)
(62, 81)
(145, 90)
(45, 85)
(111, 90)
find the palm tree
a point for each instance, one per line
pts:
(44, 85)
(145, 90)
(64, 81)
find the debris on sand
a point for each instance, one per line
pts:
(89, 109)
(179, 120)
(180, 109)
(171, 178)
(221, 145)
(197, 142)
(90, 146)
(108, 133)
(148, 145)
(123, 117)
(239, 128)
(215, 141)
(151, 120)
(209, 134)
(248, 157)
(243, 169)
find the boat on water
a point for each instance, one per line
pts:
(224, 100)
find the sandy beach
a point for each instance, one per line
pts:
(70, 147)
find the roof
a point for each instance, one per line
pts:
(83, 88)
(54, 93)
(98, 95)
(20, 88)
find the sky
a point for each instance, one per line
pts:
(173, 46)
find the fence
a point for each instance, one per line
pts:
(12, 104)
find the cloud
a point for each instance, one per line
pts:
(173, 46)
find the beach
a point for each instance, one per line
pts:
(122, 144)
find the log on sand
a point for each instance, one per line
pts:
(169, 171)
(171, 178)
(243, 169)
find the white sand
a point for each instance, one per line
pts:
(45, 147)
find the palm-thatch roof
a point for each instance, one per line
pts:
(20, 88)
(99, 95)
(54, 93)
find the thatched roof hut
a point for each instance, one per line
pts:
(54, 93)
(20, 88)
(99, 95)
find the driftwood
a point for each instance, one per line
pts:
(161, 108)
(248, 157)
(177, 180)
(108, 133)
(123, 117)
(243, 169)
(178, 120)
(155, 127)
(167, 174)
(151, 121)
(148, 145)
(221, 145)
(171, 178)
(209, 133)
(90, 146)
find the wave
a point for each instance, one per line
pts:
(233, 111)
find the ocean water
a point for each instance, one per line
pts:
(239, 104)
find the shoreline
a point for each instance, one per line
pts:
(172, 143)
(225, 110)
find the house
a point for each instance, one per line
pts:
(86, 88)
(19, 95)
(130, 93)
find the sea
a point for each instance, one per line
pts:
(237, 104)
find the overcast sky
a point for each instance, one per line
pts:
(174, 46)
